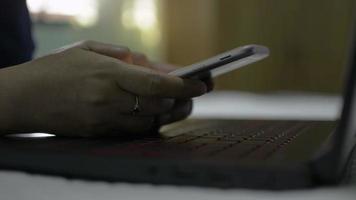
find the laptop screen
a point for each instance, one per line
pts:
(346, 137)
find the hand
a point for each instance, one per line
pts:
(182, 108)
(88, 89)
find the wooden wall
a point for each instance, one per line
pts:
(308, 39)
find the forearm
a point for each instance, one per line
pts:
(10, 102)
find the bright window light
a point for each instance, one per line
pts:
(83, 12)
(142, 16)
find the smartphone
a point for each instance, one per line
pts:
(224, 62)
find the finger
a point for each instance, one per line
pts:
(148, 106)
(140, 59)
(181, 111)
(209, 84)
(146, 82)
(153, 106)
(207, 79)
(119, 52)
(163, 67)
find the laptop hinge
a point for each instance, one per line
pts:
(324, 168)
(325, 163)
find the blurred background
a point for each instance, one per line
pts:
(308, 39)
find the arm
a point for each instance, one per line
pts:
(7, 107)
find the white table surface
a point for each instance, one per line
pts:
(18, 185)
(277, 105)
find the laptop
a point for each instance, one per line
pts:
(258, 154)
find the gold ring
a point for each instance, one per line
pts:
(136, 109)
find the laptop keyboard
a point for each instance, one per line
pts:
(207, 139)
(259, 141)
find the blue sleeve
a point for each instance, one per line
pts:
(16, 44)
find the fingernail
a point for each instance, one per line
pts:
(196, 87)
(201, 87)
(210, 87)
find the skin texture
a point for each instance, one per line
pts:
(89, 89)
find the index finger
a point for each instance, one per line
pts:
(119, 52)
(147, 82)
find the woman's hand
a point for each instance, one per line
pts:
(90, 89)
(182, 107)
